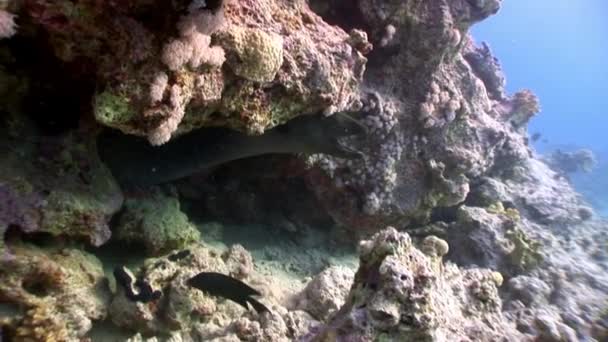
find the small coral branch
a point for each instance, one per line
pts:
(7, 24)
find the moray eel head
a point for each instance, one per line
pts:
(319, 134)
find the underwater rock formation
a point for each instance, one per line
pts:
(326, 292)
(435, 126)
(56, 293)
(570, 162)
(399, 291)
(56, 185)
(158, 66)
(155, 220)
(446, 158)
(402, 293)
(190, 313)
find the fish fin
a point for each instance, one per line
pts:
(240, 301)
(257, 305)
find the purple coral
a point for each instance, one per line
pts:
(377, 174)
(19, 209)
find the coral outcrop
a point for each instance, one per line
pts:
(155, 220)
(190, 313)
(435, 125)
(57, 186)
(59, 292)
(160, 74)
(326, 292)
(401, 293)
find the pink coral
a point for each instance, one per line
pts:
(176, 54)
(7, 24)
(158, 86)
(175, 112)
(193, 49)
(202, 22)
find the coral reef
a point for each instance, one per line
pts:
(187, 312)
(401, 293)
(57, 186)
(281, 64)
(59, 290)
(446, 159)
(571, 162)
(435, 130)
(155, 220)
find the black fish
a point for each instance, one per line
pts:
(135, 163)
(137, 290)
(179, 255)
(220, 285)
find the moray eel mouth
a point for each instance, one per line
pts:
(136, 163)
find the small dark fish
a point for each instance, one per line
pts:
(220, 285)
(137, 290)
(179, 255)
(536, 136)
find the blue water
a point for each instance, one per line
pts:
(559, 49)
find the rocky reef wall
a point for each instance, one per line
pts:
(445, 161)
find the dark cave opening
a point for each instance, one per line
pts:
(14, 234)
(269, 190)
(58, 93)
(444, 214)
(343, 13)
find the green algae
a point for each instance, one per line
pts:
(526, 253)
(158, 222)
(499, 209)
(112, 110)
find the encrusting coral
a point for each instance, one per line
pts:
(157, 222)
(402, 293)
(311, 65)
(59, 293)
(399, 292)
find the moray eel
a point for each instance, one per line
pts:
(135, 163)
(220, 285)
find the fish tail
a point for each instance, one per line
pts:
(258, 306)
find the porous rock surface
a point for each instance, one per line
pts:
(191, 314)
(57, 293)
(57, 186)
(159, 65)
(401, 293)
(446, 155)
(155, 220)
